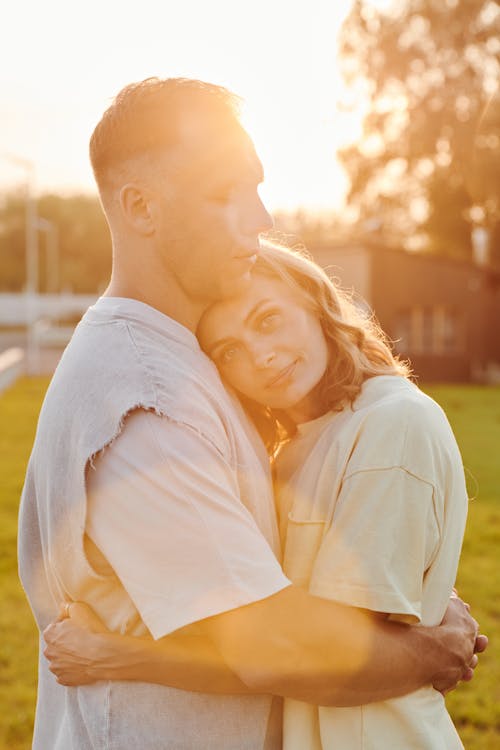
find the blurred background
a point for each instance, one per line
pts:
(378, 123)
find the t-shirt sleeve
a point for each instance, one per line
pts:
(164, 510)
(383, 537)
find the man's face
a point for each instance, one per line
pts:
(210, 213)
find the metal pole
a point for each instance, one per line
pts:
(53, 260)
(33, 359)
(52, 243)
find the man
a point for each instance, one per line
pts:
(147, 494)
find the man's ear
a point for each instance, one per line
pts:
(137, 210)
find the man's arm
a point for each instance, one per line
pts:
(315, 650)
(291, 644)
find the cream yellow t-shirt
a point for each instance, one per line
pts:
(372, 507)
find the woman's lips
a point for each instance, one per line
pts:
(283, 375)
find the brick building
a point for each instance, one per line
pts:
(442, 314)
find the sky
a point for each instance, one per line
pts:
(62, 62)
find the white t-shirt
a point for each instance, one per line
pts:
(182, 517)
(165, 510)
(372, 505)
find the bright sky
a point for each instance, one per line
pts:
(61, 63)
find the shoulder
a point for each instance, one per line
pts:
(394, 402)
(113, 366)
(399, 425)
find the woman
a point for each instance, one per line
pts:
(369, 483)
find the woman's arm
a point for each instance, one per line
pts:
(81, 650)
(87, 652)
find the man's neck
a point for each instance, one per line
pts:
(164, 294)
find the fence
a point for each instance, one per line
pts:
(12, 362)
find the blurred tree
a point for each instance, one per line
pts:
(12, 242)
(83, 240)
(428, 163)
(302, 228)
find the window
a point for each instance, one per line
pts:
(429, 330)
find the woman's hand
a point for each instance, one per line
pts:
(77, 645)
(81, 651)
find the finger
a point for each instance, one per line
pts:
(481, 644)
(50, 632)
(64, 610)
(48, 653)
(53, 631)
(474, 662)
(67, 681)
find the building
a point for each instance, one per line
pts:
(442, 314)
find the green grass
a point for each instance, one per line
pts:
(475, 416)
(474, 413)
(19, 408)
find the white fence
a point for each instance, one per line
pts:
(12, 362)
(35, 327)
(22, 309)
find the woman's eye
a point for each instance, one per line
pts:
(228, 355)
(269, 321)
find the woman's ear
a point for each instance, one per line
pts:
(137, 210)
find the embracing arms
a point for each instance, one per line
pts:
(286, 642)
(291, 644)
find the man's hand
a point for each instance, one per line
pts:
(461, 632)
(76, 645)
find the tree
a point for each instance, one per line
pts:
(428, 163)
(83, 242)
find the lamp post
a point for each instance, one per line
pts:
(50, 229)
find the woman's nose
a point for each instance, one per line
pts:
(263, 358)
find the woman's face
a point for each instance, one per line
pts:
(269, 346)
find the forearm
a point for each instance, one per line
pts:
(323, 653)
(290, 644)
(187, 662)
(364, 662)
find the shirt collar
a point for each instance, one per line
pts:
(140, 312)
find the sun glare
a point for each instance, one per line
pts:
(280, 58)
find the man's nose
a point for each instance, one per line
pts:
(267, 219)
(262, 221)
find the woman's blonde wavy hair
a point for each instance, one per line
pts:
(358, 349)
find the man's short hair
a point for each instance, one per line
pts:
(144, 119)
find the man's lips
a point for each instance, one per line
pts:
(283, 375)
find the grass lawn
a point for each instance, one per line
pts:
(475, 416)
